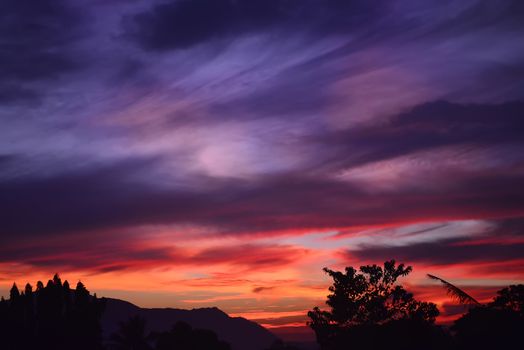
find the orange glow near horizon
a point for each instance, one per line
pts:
(274, 282)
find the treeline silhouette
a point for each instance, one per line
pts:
(59, 318)
(369, 310)
(132, 335)
(51, 317)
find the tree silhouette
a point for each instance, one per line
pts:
(183, 337)
(52, 317)
(369, 309)
(15, 316)
(85, 312)
(57, 317)
(496, 325)
(131, 335)
(510, 298)
(14, 293)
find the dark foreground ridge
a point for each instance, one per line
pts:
(240, 333)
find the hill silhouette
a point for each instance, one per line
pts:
(240, 333)
(58, 317)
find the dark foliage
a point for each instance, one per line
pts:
(280, 345)
(369, 310)
(510, 298)
(183, 337)
(133, 335)
(455, 292)
(497, 325)
(52, 317)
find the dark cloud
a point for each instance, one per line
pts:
(282, 321)
(254, 256)
(84, 200)
(262, 289)
(503, 78)
(15, 93)
(291, 93)
(512, 227)
(113, 251)
(446, 252)
(99, 252)
(182, 24)
(108, 197)
(6, 159)
(432, 125)
(484, 14)
(36, 40)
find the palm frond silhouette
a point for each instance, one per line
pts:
(455, 292)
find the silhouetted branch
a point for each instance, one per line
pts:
(455, 292)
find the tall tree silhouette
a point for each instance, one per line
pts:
(29, 316)
(368, 309)
(15, 316)
(84, 316)
(14, 293)
(52, 317)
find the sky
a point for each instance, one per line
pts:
(195, 153)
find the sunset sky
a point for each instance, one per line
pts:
(194, 153)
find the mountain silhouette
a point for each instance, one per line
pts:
(242, 334)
